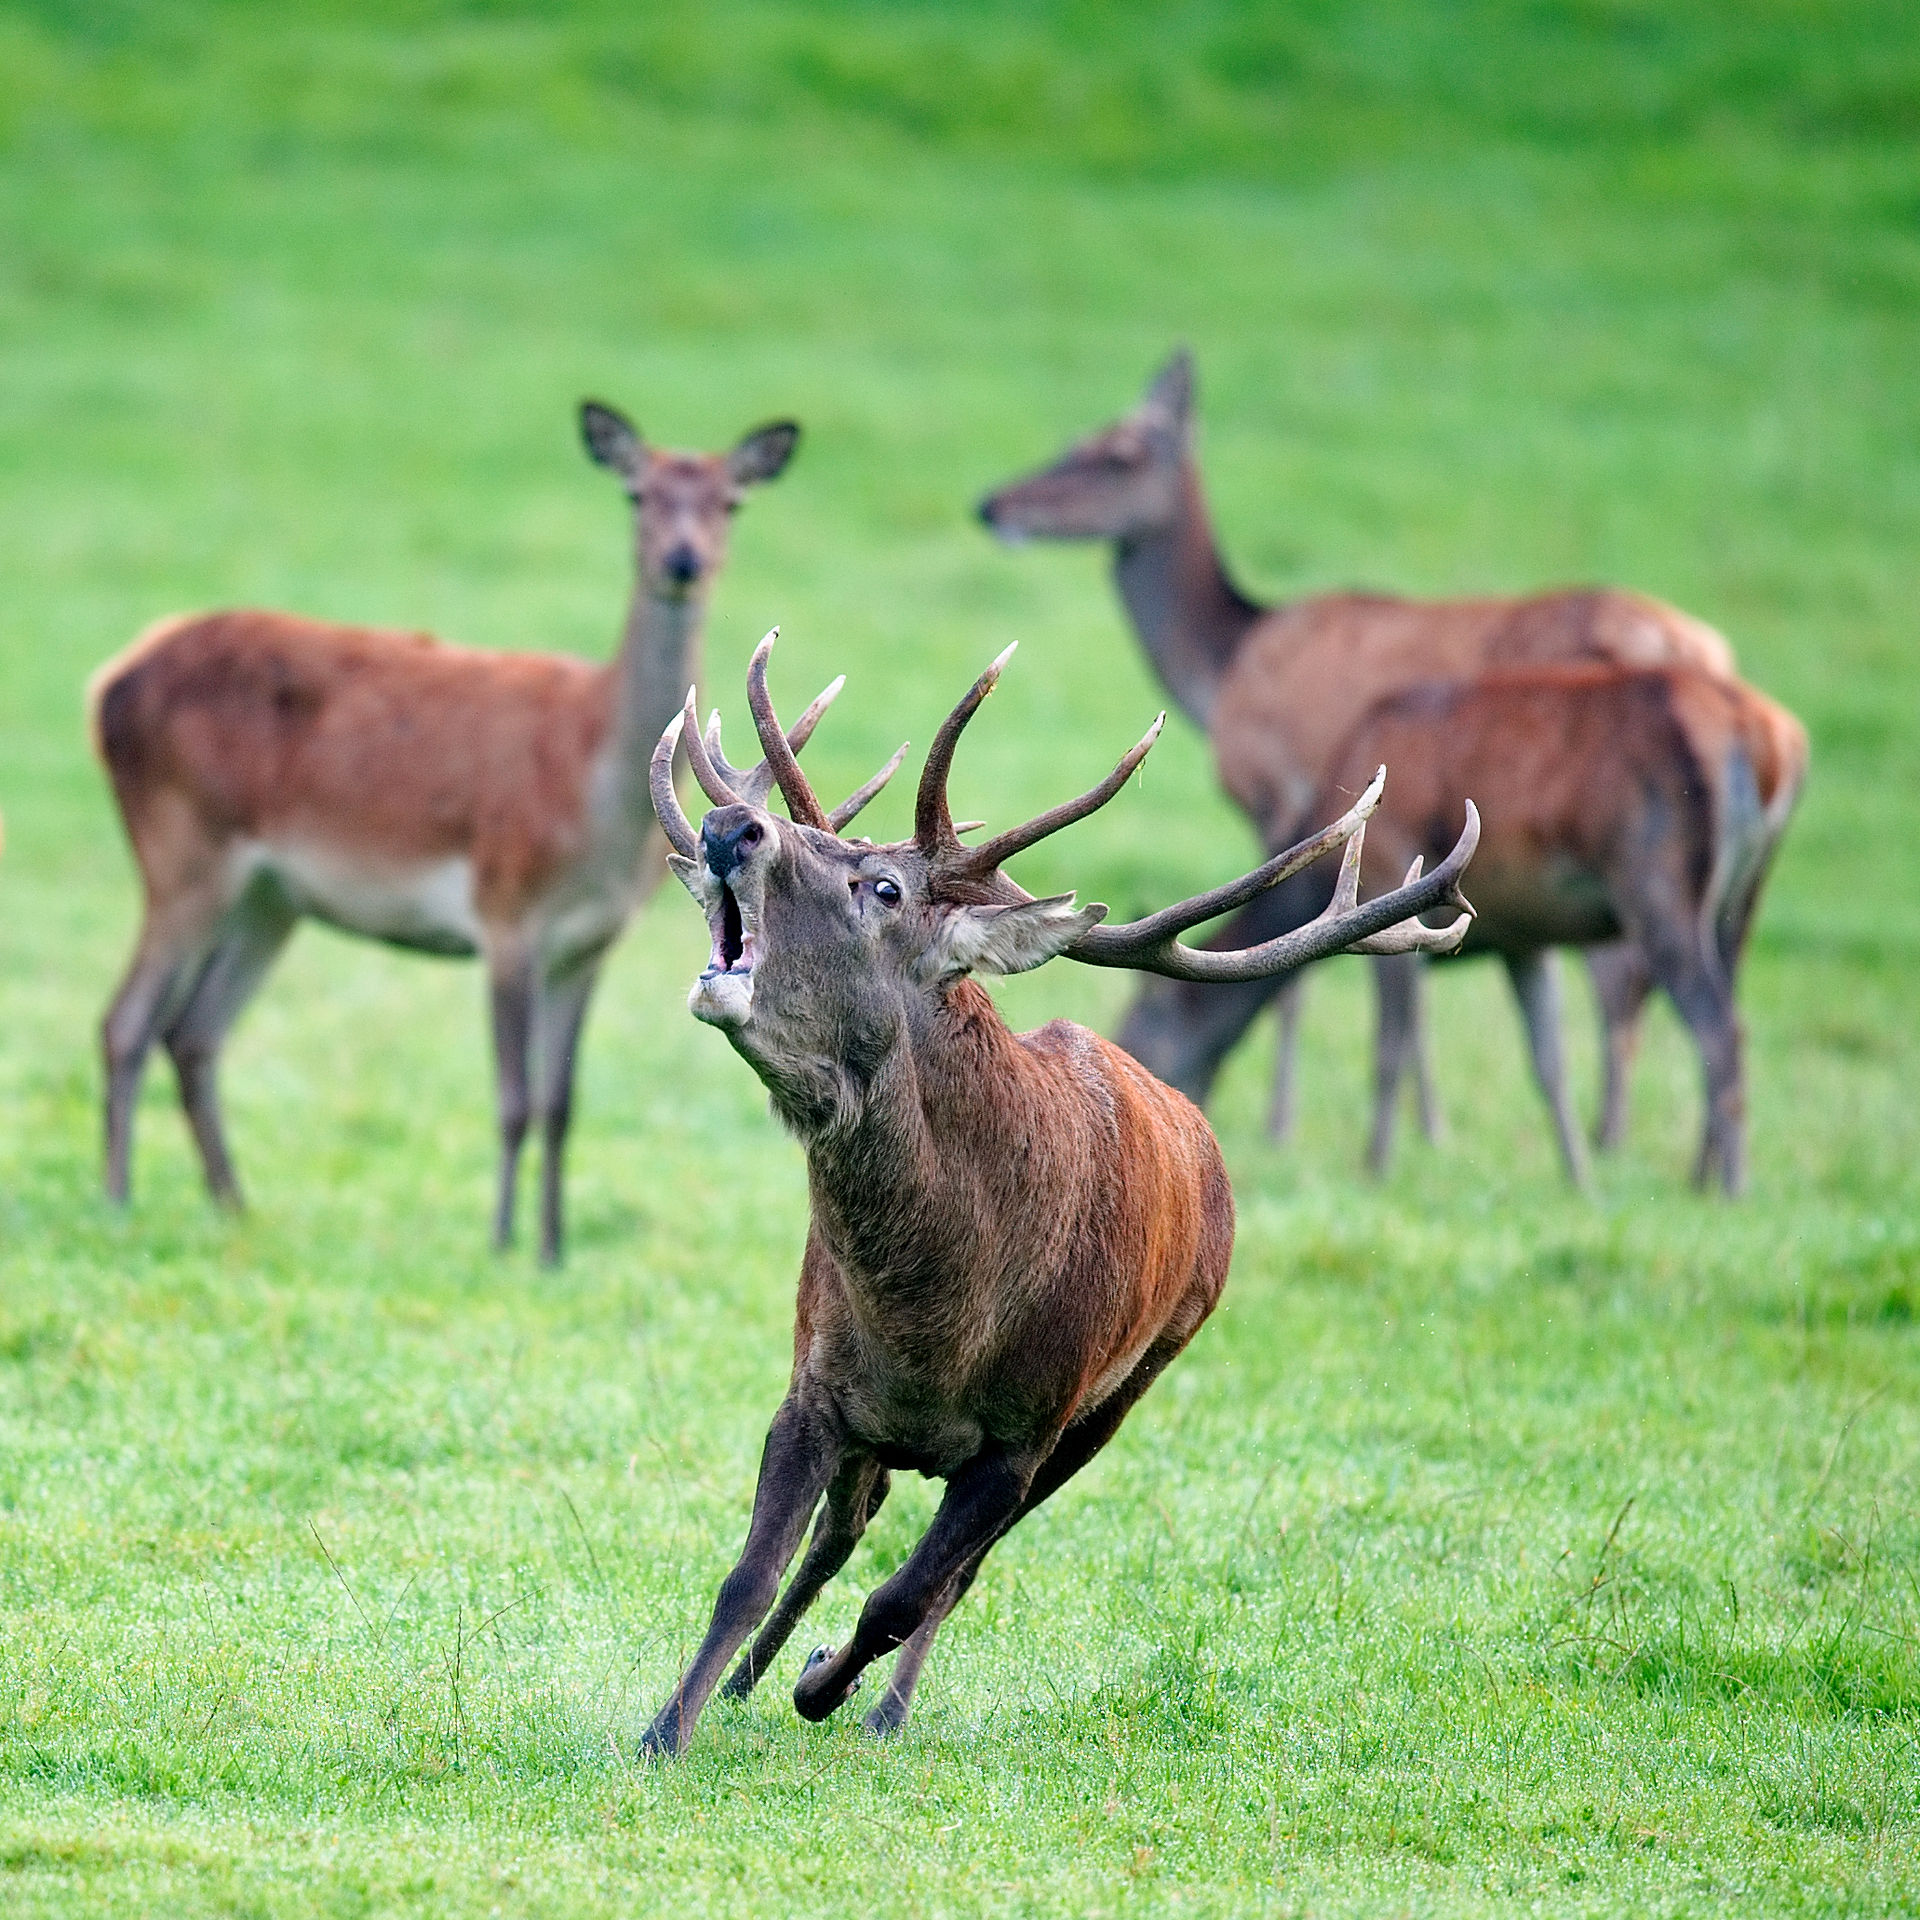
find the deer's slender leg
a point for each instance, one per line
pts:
(1286, 1059)
(1396, 983)
(1704, 997)
(1433, 1123)
(1082, 1439)
(983, 1498)
(511, 987)
(852, 1500)
(1536, 985)
(560, 1010)
(156, 980)
(249, 943)
(1621, 982)
(802, 1454)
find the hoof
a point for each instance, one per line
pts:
(808, 1702)
(885, 1720)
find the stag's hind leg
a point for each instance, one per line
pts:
(250, 941)
(1082, 1439)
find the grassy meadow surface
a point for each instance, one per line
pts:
(1492, 1551)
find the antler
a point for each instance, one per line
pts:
(755, 783)
(728, 785)
(934, 831)
(1388, 924)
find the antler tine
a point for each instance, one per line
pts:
(1003, 846)
(1410, 936)
(666, 803)
(711, 783)
(756, 782)
(1152, 945)
(859, 797)
(933, 830)
(801, 802)
(1178, 918)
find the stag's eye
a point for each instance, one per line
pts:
(887, 892)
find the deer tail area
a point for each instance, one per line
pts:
(115, 674)
(1760, 781)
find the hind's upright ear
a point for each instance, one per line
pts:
(763, 454)
(612, 439)
(1172, 390)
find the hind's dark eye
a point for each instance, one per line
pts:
(886, 892)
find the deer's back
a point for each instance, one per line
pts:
(268, 726)
(1307, 672)
(1594, 784)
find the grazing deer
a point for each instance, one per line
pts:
(456, 802)
(1644, 803)
(1277, 688)
(1011, 1235)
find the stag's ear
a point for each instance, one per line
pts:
(689, 873)
(763, 454)
(612, 439)
(1171, 393)
(1010, 939)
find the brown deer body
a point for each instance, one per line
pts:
(1278, 688)
(453, 801)
(1011, 1236)
(1641, 806)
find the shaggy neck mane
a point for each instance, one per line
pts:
(943, 1154)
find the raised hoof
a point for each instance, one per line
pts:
(808, 1701)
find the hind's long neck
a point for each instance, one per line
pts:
(1189, 615)
(659, 659)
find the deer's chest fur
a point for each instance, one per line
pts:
(1044, 1264)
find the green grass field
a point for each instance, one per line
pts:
(1492, 1551)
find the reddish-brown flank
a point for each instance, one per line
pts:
(387, 747)
(1305, 673)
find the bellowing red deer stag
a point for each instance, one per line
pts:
(456, 802)
(1011, 1236)
(1645, 803)
(1277, 688)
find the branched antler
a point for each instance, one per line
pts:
(728, 785)
(1388, 924)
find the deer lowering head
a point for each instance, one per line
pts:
(1011, 1235)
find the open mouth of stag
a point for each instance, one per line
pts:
(723, 994)
(735, 940)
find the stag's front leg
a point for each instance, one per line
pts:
(803, 1451)
(853, 1499)
(982, 1500)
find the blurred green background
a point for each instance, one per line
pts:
(1493, 1549)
